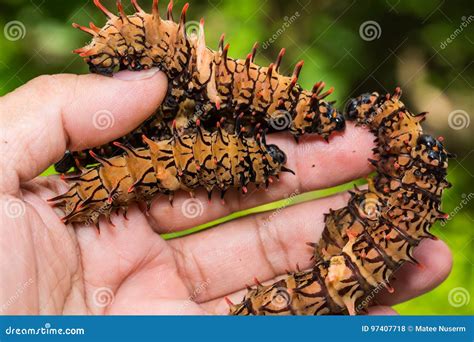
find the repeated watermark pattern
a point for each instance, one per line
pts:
(103, 297)
(464, 23)
(14, 208)
(103, 119)
(459, 296)
(288, 21)
(14, 30)
(192, 208)
(370, 30)
(459, 119)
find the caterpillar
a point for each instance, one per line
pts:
(364, 243)
(206, 81)
(187, 161)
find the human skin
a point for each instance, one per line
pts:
(47, 267)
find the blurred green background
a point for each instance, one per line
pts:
(426, 47)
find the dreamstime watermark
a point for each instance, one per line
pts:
(465, 200)
(14, 208)
(192, 208)
(288, 21)
(196, 292)
(464, 23)
(370, 297)
(459, 296)
(370, 30)
(103, 296)
(103, 119)
(371, 207)
(280, 120)
(14, 30)
(281, 299)
(199, 112)
(94, 216)
(288, 200)
(13, 298)
(459, 119)
(192, 28)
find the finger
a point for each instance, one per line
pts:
(412, 281)
(267, 245)
(50, 114)
(263, 246)
(316, 163)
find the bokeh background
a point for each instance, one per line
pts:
(426, 47)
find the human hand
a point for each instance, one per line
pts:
(47, 267)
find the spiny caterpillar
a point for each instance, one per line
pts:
(364, 243)
(212, 160)
(204, 80)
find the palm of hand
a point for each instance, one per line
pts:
(50, 268)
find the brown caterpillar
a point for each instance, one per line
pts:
(213, 160)
(364, 243)
(153, 128)
(204, 80)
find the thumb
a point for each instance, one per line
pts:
(50, 114)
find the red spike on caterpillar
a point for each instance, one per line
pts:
(366, 242)
(253, 52)
(84, 29)
(136, 6)
(166, 166)
(169, 12)
(155, 10)
(279, 58)
(123, 16)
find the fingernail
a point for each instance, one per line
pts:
(127, 75)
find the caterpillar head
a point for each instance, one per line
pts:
(431, 151)
(331, 121)
(278, 159)
(120, 44)
(324, 119)
(277, 154)
(361, 108)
